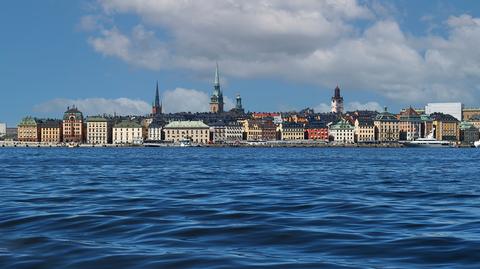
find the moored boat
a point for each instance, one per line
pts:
(428, 142)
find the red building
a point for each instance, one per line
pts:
(317, 131)
(73, 127)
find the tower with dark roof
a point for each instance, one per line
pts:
(216, 100)
(157, 106)
(337, 101)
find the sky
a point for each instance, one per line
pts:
(105, 56)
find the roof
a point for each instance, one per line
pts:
(475, 117)
(28, 121)
(50, 124)
(291, 125)
(127, 124)
(443, 117)
(464, 125)
(72, 111)
(96, 119)
(186, 125)
(157, 123)
(316, 125)
(386, 116)
(364, 122)
(341, 125)
(410, 115)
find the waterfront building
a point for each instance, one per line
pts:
(292, 131)
(12, 133)
(127, 132)
(73, 127)
(155, 130)
(218, 132)
(475, 120)
(157, 105)
(3, 129)
(468, 113)
(259, 129)
(342, 131)
(446, 127)
(364, 131)
(99, 130)
(216, 100)
(468, 133)
(51, 131)
(454, 109)
(317, 130)
(195, 131)
(337, 102)
(410, 125)
(28, 130)
(234, 131)
(386, 127)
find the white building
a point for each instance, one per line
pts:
(454, 109)
(155, 130)
(3, 129)
(127, 132)
(99, 130)
(234, 131)
(218, 131)
(195, 131)
(342, 132)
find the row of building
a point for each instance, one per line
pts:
(447, 121)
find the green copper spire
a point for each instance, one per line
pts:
(217, 77)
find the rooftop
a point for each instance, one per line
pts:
(186, 124)
(127, 124)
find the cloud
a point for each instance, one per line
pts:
(351, 106)
(318, 42)
(94, 106)
(189, 100)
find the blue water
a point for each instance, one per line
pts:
(239, 208)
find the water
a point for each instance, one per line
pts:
(239, 208)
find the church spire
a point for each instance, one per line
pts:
(156, 107)
(217, 77)
(157, 97)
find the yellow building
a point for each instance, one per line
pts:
(292, 131)
(51, 131)
(468, 113)
(386, 127)
(364, 130)
(194, 131)
(99, 130)
(446, 127)
(28, 130)
(259, 129)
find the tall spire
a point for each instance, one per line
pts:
(217, 77)
(157, 97)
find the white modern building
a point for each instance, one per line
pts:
(454, 109)
(3, 130)
(99, 130)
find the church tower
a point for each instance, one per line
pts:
(216, 100)
(157, 106)
(337, 102)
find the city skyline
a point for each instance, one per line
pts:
(61, 54)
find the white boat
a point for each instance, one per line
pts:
(185, 142)
(428, 142)
(477, 144)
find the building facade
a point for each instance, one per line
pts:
(292, 131)
(317, 130)
(468, 113)
(386, 127)
(216, 100)
(218, 132)
(342, 132)
(446, 127)
(28, 130)
(51, 131)
(127, 132)
(337, 101)
(260, 129)
(468, 133)
(155, 130)
(99, 130)
(3, 130)
(194, 131)
(410, 125)
(234, 131)
(73, 127)
(364, 130)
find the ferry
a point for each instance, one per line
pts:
(428, 142)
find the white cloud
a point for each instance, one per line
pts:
(189, 100)
(310, 41)
(94, 106)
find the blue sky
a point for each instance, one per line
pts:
(106, 55)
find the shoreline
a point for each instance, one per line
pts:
(277, 144)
